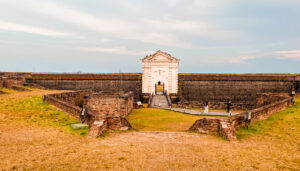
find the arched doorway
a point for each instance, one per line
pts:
(159, 87)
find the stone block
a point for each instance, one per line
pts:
(79, 126)
(97, 128)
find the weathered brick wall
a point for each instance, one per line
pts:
(1, 82)
(69, 108)
(264, 112)
(268, 98)
(298, 85)
(108, 104)
(226, 127)
(75, 98)
(106, 110)
(194, 89)
(241, 89)
(12, 79)
(206, 125)
(96, 82)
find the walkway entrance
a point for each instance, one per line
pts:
(159, 88)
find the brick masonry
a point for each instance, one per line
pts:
(109, 104)
(12, 79)
(69, 108)
(240, 89)
(95, 82)
(194, 89)
(106, 110)
(226, 127)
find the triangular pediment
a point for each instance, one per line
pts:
(160, 56)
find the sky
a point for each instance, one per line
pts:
(101, 36)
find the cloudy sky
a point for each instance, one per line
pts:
(208, 36)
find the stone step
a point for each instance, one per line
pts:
(159, 101)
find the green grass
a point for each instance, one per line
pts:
(153, 119)
(5, 90)
(32, 110)
(287, 120)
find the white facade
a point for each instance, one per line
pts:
(160, 67)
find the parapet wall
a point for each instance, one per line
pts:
(240, 89)
(74, 98)
(69, 108)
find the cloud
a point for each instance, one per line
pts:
(165, 30)
(32, 30)
(241, 59)
(117, 50)
(116, 27)
(293, 54)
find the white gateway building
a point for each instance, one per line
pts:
(160, 74)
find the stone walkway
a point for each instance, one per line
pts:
(194, 112)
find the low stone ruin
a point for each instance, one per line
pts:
(105, 110)
(12, 80)
(266, 105)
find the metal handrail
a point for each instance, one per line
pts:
(168, 99)
(150, 100)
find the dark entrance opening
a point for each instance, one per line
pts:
(159, 88)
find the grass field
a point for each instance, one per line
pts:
(29, 108)
(287, 121)
(153, 119)
(35, 136)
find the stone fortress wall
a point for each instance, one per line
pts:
(96, 82)
(240, 89)
(194, 89)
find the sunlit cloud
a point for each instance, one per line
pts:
(7, 26)
(293, 54)
(117, 50)
(241, 59)
(165, 31)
